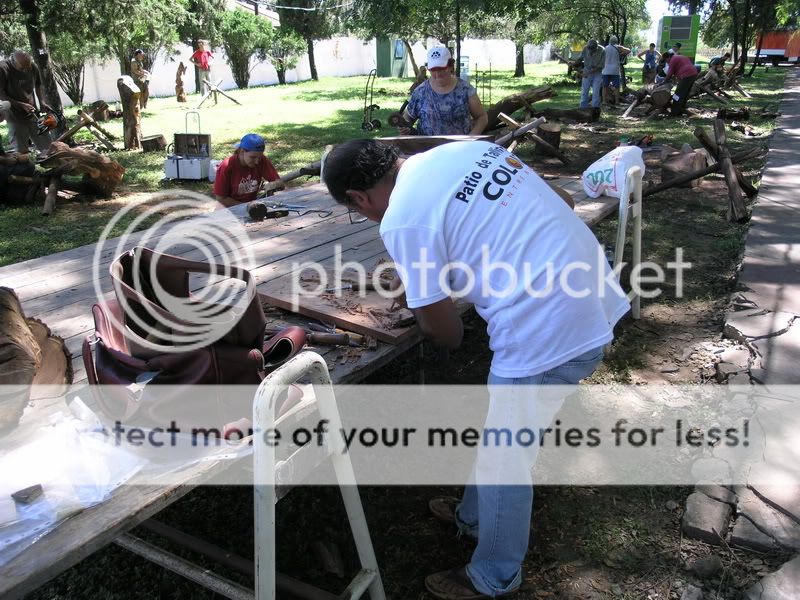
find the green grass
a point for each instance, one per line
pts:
(298, 121)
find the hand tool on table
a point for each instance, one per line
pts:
(258, 211)
(257, 207)
(324, 338)
(355, 286)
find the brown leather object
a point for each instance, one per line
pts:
(120, 359)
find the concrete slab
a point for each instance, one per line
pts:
(746, 535)
(746, 325)
(785, 498)
(770, 273)
(706, 519)
(780, 356)
(783, 584)
(783, 529)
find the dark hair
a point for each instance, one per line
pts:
(357, 165)
(652, 45)
(138, 51)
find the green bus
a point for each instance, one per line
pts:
(683, 29)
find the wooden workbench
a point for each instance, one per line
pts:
(59, 290)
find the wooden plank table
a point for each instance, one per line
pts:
(59, 290)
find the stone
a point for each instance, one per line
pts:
(785, 498)
(717, 492)
(736, 356)
(780, 356)
(692, 592)
(746, 325)
(739, 379)
(707, 567)
(747, 535)
(783, 584)
(705, 519)
(723, 370)
(671, 505)
(670, 368)
(784, 529)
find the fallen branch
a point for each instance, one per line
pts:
(716, 167)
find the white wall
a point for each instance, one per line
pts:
(337, 57)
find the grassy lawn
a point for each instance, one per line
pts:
(299, 120)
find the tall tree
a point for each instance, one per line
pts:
(40, 51)
(312, 20)
(284, 51)
(246, 39)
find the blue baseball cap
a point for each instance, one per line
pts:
(252, 142)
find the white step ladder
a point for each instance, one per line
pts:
(312, 367)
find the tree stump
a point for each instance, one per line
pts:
(154, 143)
(550, 133)
(129, 94)
(180, 92)
(681, 163)
(29, 354)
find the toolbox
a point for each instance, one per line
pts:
(189, 156)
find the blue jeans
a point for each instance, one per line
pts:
(593, 83)
(504, 511)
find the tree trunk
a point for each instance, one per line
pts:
(519, 71)
(100, 173)
(735, 28)
(758, 53)
(312, 65)
(413, 60)
(41, 54)
(131, 116)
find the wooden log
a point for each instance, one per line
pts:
(55, 368)
(550, 133)
(631, 106)
(154, 143)
(20, 357)
(510, 104)
(654, 189)
(517, 129)
(681, 163)
(97, 131)
(414, 144)
(100, 110)
(709, 144)
(308, 170)
(129, 94)
(52, 194)
(736, 208)
(100, 172)
(661, 97)
(580, 115)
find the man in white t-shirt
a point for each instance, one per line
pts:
(470, 220)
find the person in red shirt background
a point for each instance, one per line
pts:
(202, 59)
(239, 176)
(683, 70)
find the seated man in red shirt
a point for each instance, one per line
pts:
(683, 70)
(240, 175)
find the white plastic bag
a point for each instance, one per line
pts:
(607, 175)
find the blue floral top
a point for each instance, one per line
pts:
(442, 114)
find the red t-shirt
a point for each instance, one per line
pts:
(682, 67)
(239, 182)
(202, 56)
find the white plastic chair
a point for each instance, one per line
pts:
(630, 203)
(313, 366)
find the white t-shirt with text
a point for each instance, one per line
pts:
(469, 219)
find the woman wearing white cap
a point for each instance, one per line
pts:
(445, 105)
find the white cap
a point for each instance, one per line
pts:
(438, 57)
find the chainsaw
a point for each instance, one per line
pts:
(46, 122)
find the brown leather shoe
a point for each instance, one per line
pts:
(455, 584)
(444, 508)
